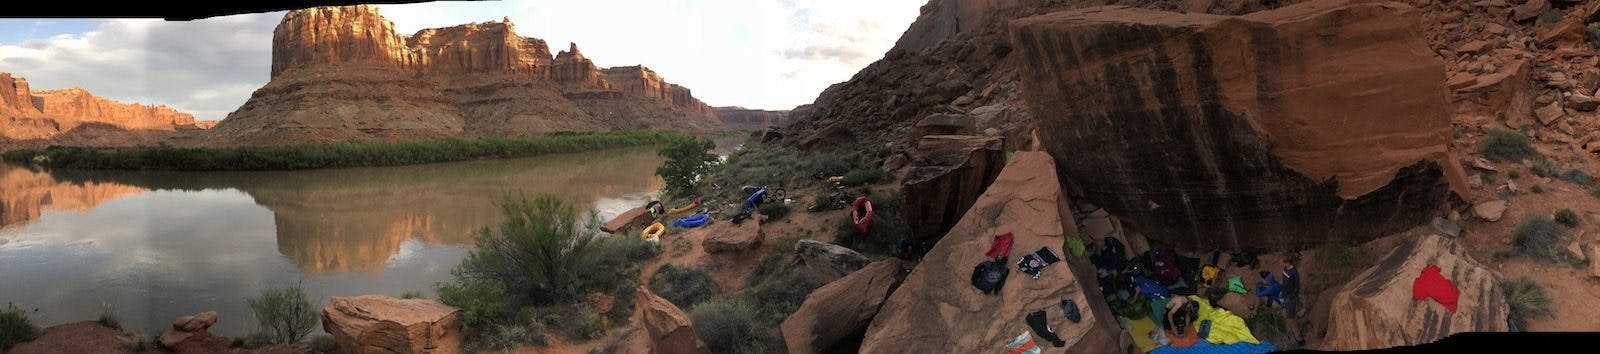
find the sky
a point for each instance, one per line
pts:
(767, 54)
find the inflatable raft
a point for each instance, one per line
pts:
(861, 214)
(692, 221)
(685, 208)
(653, 233)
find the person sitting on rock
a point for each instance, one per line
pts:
(1269, 290)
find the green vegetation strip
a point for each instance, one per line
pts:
(332, 155)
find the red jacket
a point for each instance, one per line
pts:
(1432, 284)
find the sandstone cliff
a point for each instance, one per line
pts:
(27, 115)
(741, 118)
(343, 73)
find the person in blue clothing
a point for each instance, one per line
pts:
(1269, 290)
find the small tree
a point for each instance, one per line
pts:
(285, 315)
(537, 252)
(687, 161)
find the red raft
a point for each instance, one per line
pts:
(861, 214)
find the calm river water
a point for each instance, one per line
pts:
(157, 245)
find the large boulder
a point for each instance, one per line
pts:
(670, 330)
(936, 310)
(825, 262)
(948, 172)
(1375, 309)
(945, 124)
(382, 324)
(189, 335)
(844, 308)
(637, 217)
(731, 237)
(1266, 131)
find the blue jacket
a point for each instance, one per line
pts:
(1150, 288)
(1269, 288)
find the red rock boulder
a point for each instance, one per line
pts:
(1276, 129)
(726, 236)
(671, 330)
(948, 172)
(841, 309)
(380, 324)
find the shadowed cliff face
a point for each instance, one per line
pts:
(1278, 129)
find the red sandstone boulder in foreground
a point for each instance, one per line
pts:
(937, 310)
(841, 309)
(380, 324)
(670, 330)
(726, 236)
(1376, 309)
(1275, 129)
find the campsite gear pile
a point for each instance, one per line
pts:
(989, 277)
(1166, 300)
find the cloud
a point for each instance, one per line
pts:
(206, 67)
(772, 54)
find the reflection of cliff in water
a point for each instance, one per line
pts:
(26, 194)
(355, 219)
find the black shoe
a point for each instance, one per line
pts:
(1071, 309)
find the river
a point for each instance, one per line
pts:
(154, 246)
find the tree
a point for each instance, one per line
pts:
(687, 161)
(536, 254)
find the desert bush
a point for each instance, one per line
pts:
(1526, 298)
(537, 253)
(1502, 145)
(509, 336)
(1536, 189)
(1549, 17)
(865, 176)
(1268, 324)
(774, 211)
(324, 344)
(15, 327)
(728, 326)
(687, 161)
(683, 286)
(1514, 174)
(483, 304)
(613, 342)
(1544, 168)
(577, 321)
(412, 294)
(1592, 35)
(284, 315)
(1567, 217)
(1537, 236)
(109, 317)
(331, 155)
(888, 227)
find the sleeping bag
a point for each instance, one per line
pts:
(1224, 327)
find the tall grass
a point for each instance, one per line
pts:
(1502, 145)
(285, 315)
(683, 286)
(1538, 236)
(331, 155)
(1526, 298)
(15, 327)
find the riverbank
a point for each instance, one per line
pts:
(330, 155)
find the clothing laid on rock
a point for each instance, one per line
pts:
(1270, 289)
(1037, 321)
(1165, 266)
(1236, 285)
(1150, 288)
(990, 276)
(1070, 308)
(1001, 246)
(1033, 263)
(1209, 274)
(1022, 344)
(1431, 284)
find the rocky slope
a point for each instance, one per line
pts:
(40, 115)
(741, 118)
(344, 73)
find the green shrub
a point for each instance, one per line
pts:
(1514, 174)
(577, 321)
(1592, 35)
(285, 315)
(1536, 189)
(537, 254)
(1268, 324)
(775, 299)
(774, 264)
(1544, 168)
(1567, 217)
(1550, 17)
(483, 304)
(108, 317)
(330, 155)
(412, 294)
(683, 286)
(687, 161)
(613, 342)
(1577, 176)
(323, 343)
(728, 327)
(1537, 236)
(508, 336)
(774, 211)
(15, 327)
(865, 176)
(1526, 298)
(1505, 144)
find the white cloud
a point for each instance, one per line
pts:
(772, 54)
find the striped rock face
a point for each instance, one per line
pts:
(1281, 128)
(1376, 309)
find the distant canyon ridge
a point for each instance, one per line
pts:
(343, 73)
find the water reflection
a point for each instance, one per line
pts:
(157, 245)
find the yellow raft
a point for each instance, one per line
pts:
(685, 207)
(653, 232)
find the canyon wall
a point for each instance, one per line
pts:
(27, 115)
(343, 73)
(741, 118)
